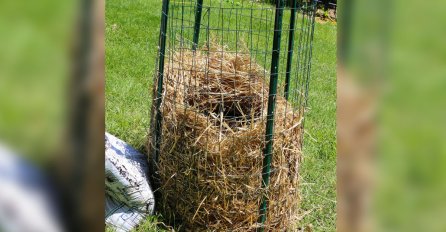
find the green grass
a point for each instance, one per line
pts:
(132, 29)
(318, 171)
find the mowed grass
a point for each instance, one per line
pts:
(132, 30)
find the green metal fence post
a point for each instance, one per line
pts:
(312, 18)
(267, 152)
(159, 92)
(290, 48)
(307, 78)
(197, 23)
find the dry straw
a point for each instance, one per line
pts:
(210, 164)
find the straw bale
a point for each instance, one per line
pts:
(210, 165)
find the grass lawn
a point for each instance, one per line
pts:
(132, 29)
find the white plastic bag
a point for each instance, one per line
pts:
(124, 209)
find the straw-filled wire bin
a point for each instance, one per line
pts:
(230, 93)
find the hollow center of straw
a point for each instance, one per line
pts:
(227, 87)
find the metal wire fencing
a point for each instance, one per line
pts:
(228, 112)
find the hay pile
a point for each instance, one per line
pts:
(210, 165)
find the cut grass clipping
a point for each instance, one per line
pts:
(214, 110)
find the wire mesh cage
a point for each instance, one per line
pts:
(227, 119)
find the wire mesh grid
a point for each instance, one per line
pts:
(232, 81)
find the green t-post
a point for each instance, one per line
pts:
(159, 92)
(198, 11)
(267, 152)
(290, 48)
